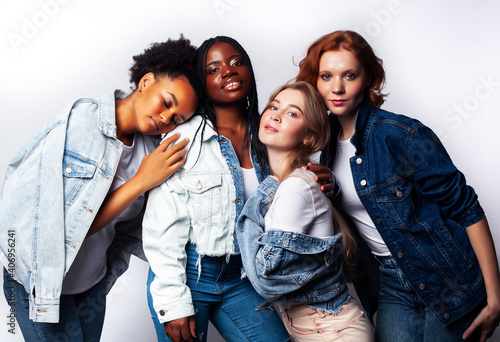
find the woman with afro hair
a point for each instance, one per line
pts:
(80, 185)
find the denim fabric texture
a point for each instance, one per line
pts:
(199, 204)
(81, 319)
(402, 316)
(420, 203)
(222, 297)
(287, 267)
(58, 181)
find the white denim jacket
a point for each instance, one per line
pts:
(200, 204)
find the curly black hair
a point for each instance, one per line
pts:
(173, 58)
(253, 116)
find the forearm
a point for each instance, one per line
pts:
(483, 245)
(116, 203)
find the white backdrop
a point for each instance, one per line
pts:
(441, 58)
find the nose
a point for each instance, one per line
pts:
(275, 116)
(165, 118)
(337, 86)
(228, 71)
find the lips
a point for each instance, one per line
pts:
(338, 102)
(270, 128)
(232, 84)
(155, 124)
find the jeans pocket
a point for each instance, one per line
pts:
(392, 278)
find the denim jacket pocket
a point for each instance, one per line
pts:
(77, 171)
(396, 203)
(453, 252)
(204, 190)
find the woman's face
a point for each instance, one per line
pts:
(163, 103)
(341, 82)
(282, 125)
(228, 79)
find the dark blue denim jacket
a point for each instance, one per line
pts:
(421, 205)
(287, 267)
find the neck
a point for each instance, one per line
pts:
(230, 116)
(231, 122)
(124, 124)
(277, 162)
(347, 122)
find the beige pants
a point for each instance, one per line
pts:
(308, 324)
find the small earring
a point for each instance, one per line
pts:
(328, 112)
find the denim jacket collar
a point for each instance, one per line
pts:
(107, 113)
(365, 119)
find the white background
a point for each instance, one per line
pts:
(441, 58)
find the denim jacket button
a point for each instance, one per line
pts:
(363, 182)
(399, 194)
(68, 170)
(421, 286)
(162, 313)
(400, 255)
(446, 316)
(359, 161)
(199, 186)
(378, 220)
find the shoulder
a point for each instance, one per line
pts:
(299, 181)
(404, 122)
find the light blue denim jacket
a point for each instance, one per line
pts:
(199, 204)
(287, 267)
(53, 189)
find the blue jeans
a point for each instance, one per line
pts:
(223, 298)
(81, 316)
(402, 316)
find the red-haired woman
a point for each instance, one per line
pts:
(438, 272)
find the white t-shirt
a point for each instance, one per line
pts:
(299, 206)
(350, 201)
(89, 265)
(250, 181)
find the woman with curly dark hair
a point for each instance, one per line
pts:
(80, 184)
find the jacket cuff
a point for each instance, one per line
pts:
(169, 312)
(474, 214)
(44, 312)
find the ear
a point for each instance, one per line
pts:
(145, 81)
(307, 140)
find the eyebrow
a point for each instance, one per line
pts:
(291, 105)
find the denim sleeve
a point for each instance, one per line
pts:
(166, 227)
(249, 227)
(439, 179)
(33, 176)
